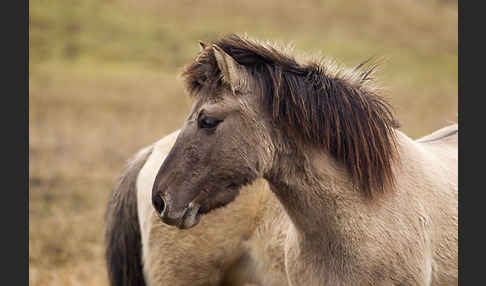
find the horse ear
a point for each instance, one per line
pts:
(233, 72)
(202, 45)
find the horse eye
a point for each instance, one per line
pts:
(208, 122)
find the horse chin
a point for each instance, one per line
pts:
(191, 217)
(195, 210)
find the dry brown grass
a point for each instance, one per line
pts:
(82, 130)
(103, 83)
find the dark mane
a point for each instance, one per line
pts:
(334, 108)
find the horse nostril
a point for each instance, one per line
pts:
(158, 203)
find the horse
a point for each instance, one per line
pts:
(234, 245)
(362, 203)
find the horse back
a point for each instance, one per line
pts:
(446, 135)
(443, 145)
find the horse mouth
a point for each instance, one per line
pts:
(191, 216)
(194, 211)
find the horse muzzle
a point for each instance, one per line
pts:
(183, 219)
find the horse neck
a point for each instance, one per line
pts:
(318, 194)
(297, 185)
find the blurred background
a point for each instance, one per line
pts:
(103, 83)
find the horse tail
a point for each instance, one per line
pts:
(122, 232)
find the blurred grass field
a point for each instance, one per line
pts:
(104, 83)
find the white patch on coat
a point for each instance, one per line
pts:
(145, 181)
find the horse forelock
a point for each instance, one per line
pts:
(336, 108)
